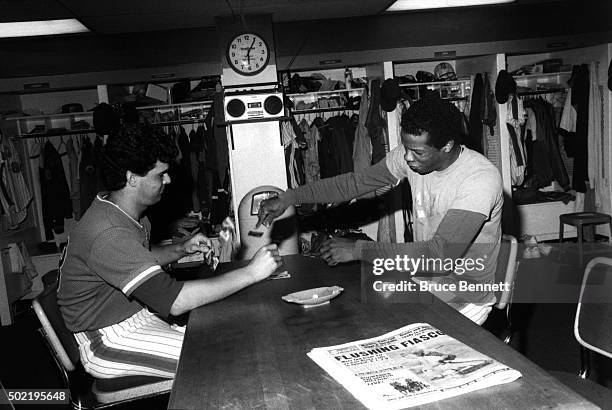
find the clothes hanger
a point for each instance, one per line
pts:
(35, 149)
(62, 143)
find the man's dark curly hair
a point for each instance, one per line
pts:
(136, 148)
(441, 119)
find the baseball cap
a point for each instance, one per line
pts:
(390, 93)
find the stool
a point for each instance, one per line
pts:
(580, 219)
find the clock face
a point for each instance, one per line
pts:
(248, 54)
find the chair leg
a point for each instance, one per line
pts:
(584, 362)
(580, 239)
(560, 239)
(508, 326)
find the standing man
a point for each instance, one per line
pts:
(113, 293)
(457, 201)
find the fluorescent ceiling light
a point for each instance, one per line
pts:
(41, 28)
(402, 5)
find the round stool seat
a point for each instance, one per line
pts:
(585, 218)
(579, 220)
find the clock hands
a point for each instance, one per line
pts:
(249, 52)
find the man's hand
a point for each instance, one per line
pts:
(197, 243)
(269, 210)
(338, 250)
(265, 261)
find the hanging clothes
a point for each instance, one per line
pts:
(194, 149)
(99, 161)
(211, 162)
(203, 183)
(56, 203)
(172, 134)
(514, 120)
(543, 153)
(529, 135)
(291, 145)
(517, 157)
(474, 139)
(343, 137)
(567, 124)
(312, 172)
(14, 181)
(75, 189)
(220, 134)
(88, 180)
(362, 146)
(7, 206)
(184, 170)
(216, 161)
(334, 152)
(349, 131)
(375, 123)
(400, 108)
(489, 113)
(596, 146)
(579, 82)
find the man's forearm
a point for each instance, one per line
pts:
(453, 237)
(342, 187)
(203, 291)
(166, 254)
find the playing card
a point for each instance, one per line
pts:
(279, 275)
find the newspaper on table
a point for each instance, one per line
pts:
(410, 366)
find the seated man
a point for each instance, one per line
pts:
(457, 201)
(113, 293)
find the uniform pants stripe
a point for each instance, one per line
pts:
(140, 345)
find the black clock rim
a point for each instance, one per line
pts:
(227, 50)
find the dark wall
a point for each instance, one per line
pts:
(55, 55)
(63, 55)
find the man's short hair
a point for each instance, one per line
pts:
(440, 119)
(135, 148)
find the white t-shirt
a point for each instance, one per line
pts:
(471, 183)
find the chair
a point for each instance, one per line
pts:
(592, 329)
(507, 266)
(5, 403)
(580, 220)
(86, 391)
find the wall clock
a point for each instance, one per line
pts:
(248, 54)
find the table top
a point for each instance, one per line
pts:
(249, 350)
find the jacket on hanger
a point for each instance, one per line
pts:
(88, 179)
(54, 191)
(474, 139)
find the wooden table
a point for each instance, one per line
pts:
(248, 351)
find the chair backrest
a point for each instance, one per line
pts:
(59, 337)
(507, 266)
(5, 403)
(594, 312)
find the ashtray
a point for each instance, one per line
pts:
(313, 297)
